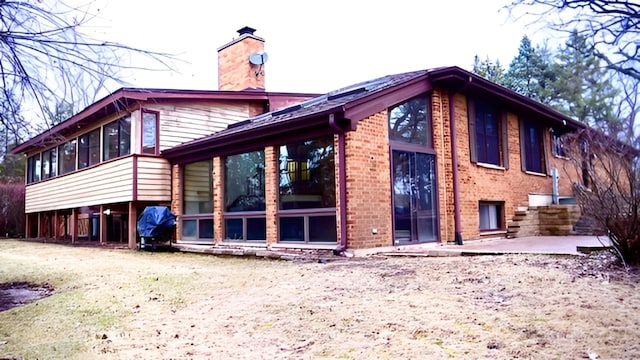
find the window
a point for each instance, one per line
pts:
(67, 153)
(149, 132)
(307, 196)
(49, 163)
(487, 134)
(409, 122)
(34, 169)
(557, 145)
(89, 149)
(244, 201)
(197, 201)
(532, 147)
(117, 138)
(491, 216)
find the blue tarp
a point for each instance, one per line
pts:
(155, 221)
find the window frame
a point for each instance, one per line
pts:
(51, 164)
(155, 149)
(526, 148)
(557, 145)
(63, 164)
(106, 149)
(502, 132)
(500, 216)
(82, 150)
(197, 217)
(244, 215)
(426, 98)
(34, 168)
(305, 212)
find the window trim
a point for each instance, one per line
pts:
(119, 123)
(156, 148)
(500, 217)
(197, 218)
(503, 143)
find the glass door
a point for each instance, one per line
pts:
(414, 197)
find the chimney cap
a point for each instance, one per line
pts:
(246, 30)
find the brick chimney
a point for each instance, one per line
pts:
(235, 72)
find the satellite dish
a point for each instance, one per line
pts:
(258, 58)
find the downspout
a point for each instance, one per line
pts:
(454, 168)
(342, 186)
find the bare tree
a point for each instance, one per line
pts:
(606, 177)
(612, 25)
(47, 60)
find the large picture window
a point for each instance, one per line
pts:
(67, 153)
(197, 201)
(409, 122)
(244, 194)
(117, 138)
(487, 134)
(89, 149)
(307, 197)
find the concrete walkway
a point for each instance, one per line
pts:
(559, 245)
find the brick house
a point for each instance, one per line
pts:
(436, 155)
(430, 156)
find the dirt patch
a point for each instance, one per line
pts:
(114, 304)
(16, 294)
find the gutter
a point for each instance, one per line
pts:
(342, 178)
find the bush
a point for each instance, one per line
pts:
(608, 188)
(12, 214)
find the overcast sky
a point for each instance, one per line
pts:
(313, 46)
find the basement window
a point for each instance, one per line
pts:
(491, 215)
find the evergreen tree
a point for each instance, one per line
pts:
(531, 72)
(489, 69)
(585, 89)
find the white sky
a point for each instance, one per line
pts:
(313, 46)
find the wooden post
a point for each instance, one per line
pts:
(39, 232)
(53, 226)
(74, 225)
(103, 225)
(133, 216)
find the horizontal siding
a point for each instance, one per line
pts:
(186, 122)
(154, 179)
(107, 183)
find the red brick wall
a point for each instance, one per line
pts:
(272, 190)
(368, 184)
(218, 198)
(176, 197)
(235, 72)
(511, 185)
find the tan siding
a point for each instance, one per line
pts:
(108, 183)
(185, 122)
(154, 179)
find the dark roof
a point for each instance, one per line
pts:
(353, 103)
(125, 97)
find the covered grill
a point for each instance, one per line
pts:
(155, 226)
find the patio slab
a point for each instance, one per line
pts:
(558, 245)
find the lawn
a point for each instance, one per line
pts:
(122, 304)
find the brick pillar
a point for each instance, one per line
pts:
(176, 198)
(271, 192)
(218, 199)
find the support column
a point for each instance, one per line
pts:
(54, 225)
(74, 226)
(133, 216)
(218, 199)
(271, 192)
(39, 235)
(103, 225)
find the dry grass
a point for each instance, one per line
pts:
(122, 304)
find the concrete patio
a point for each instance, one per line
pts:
(558, 245)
